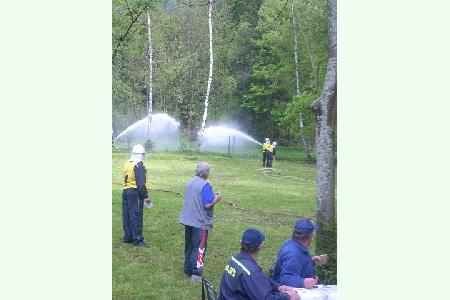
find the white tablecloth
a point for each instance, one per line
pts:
(322, 292)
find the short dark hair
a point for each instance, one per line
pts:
(300, 235)
(248, 248)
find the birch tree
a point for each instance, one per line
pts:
(295, 51)
(205, 112)
(150, 72)
(297, 80)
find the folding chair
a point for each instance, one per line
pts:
(208, 290)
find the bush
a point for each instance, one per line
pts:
(326, 243)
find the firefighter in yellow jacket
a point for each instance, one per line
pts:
(133, 197)
(265, 149)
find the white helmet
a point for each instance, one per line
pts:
(274, 143)
(137, 154)
(138, 149)
(267, 140)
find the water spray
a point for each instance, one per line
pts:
(164, 130)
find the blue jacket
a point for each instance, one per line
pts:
(293, 265)
(243, 279)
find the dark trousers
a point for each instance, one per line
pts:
(264, 158)
(132, 216)
(195, 243)
(269, 159)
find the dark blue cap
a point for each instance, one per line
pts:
(305, 225)
(253, 237)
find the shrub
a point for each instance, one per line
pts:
(326, 243)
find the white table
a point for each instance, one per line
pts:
(321, 292)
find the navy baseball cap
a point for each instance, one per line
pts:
(253, 237)
(305, 225)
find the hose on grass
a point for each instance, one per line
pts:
(233, 205)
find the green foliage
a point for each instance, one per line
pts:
(291, 118)
(326, 242)
(272, 81)
(254, 69)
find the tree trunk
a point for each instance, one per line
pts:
(295, 51)
(302, 135)
(150, 72)
(205, 113)
(312, 60)
(305, 141)
(325, 113)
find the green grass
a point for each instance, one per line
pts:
(293, 153)
(288, 192)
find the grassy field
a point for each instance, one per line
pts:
(251, 197)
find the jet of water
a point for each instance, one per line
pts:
(163, 130)
(220, 135)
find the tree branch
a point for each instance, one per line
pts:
(129, 10)
(122, 38)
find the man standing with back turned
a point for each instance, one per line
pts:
(197, 217)
(134, 195)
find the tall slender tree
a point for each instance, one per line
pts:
(205, 112)
(297, 80)
(294, 25)
(150, 75)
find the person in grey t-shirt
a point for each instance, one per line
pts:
(197, 218)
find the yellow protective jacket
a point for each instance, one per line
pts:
(135, 176)
(266, 147)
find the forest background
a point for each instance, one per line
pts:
(254, 70)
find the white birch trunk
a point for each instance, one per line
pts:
(312, 59)
(150, 69)
(295, 50)
(205, 113)
(302, 134)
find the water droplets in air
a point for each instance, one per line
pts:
(163, 132)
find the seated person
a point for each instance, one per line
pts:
(294, 265)
(243, 278)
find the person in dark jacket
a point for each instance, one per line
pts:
(243, 278)
(265, 148)
(294, 265)
(134, 195)
(197, 216)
